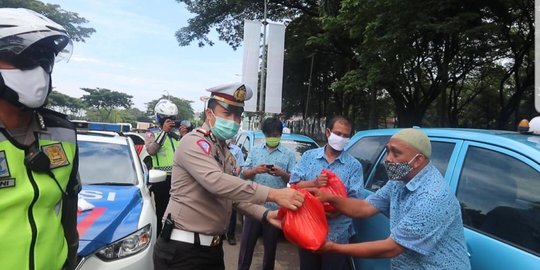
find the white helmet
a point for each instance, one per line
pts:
(165, 109)
(28, 41)
(534, 125)
(21, 28)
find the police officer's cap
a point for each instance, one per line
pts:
(231, 96)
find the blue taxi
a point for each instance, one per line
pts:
(495, 176)
(295, 142)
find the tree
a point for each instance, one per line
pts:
(227, 17)
(65, 104)
(71, 21)
(105, 101)
(185, 111)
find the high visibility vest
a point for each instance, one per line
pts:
(163, 159)
(31, 202)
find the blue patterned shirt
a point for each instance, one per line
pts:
(349, 171)
(425, 218)
(280, 157)
(238, 155)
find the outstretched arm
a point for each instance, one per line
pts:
(351, 207)
(386, 248)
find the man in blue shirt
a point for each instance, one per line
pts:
(268, 164)
(239, 157)
(307, 174)
(426, 229)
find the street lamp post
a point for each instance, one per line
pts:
(262, 84)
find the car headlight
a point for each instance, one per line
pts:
(127, 246)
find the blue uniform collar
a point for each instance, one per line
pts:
(417, 180)
(278, 148)
(319, 153)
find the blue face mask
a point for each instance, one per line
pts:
(224, 129)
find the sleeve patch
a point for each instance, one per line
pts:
(204, 145)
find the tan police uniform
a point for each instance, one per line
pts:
(202, 195)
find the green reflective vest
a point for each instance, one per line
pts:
(31, 203)
(163, 160)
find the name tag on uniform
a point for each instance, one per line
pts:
(56, 154)
(5, 181)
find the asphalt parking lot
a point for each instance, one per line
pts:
(286, 256)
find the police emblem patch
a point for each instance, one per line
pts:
(56, 155)
(204, 145)
(4, 169)
(240, 93)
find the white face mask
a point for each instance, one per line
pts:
(337, 142)
(32, 85)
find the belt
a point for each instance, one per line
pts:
(189, 237)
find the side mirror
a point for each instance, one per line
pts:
(156, 176)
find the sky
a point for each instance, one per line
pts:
(134, 51)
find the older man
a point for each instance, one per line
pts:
(426, 229)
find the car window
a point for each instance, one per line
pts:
(441, 152)
(500, 196)
(101, 163)
(297, 147)
(367, 150)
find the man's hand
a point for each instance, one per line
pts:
(323, 196)
(261, 168)
(273, 219)
(286, 197)
(277, 171)
(321, 180)
(168, 125)
(328, 246)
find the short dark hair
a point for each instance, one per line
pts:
(271, 125)
(340, 119)
(212, 103)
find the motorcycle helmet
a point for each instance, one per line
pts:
(165, 109)
(31, 43)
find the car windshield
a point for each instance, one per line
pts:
(105, 163)
(298, 147)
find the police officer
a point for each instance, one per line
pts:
(160, 144)
(38, 150)
(203, 189)
(185, 128)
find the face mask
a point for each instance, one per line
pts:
(32, 86)
(224, 129)
(398, 170)
(337, 142)
(272, 142)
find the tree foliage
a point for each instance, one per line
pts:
(227, 18)
(71, 21)
(106, 101)
(65, 104)
(425, 61)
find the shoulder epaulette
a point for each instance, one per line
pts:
(203, 132)
(52, 118)
(49, 111)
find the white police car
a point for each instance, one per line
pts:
(116, 220)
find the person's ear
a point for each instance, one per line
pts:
(418, 160)
(208, 113)
(327, 132)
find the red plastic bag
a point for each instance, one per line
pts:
(307, 226)
(334, 186)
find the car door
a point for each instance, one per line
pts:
(444, 156)
(499, 192)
